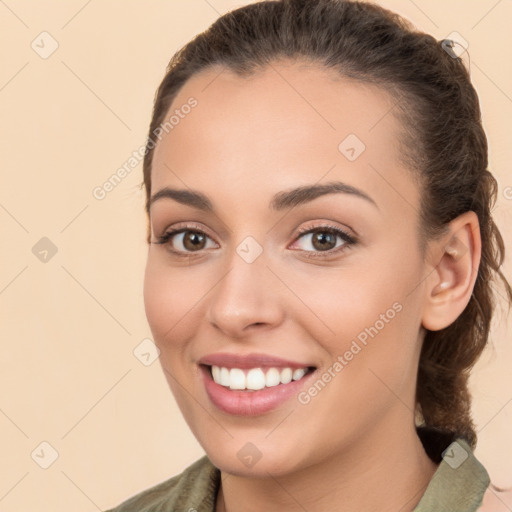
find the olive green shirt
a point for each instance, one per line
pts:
(458, 485)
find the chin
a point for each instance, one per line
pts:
(252, 459)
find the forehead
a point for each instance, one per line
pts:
(290, 123)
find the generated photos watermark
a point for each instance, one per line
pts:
(356, 346)
(101, 191)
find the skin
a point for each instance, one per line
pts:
(354, 446)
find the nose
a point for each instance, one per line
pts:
(247, 298)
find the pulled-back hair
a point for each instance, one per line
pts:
(443, 144)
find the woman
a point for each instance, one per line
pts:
(320, 255)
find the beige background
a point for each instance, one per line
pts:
(69, 325)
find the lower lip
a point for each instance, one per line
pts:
(250, 403)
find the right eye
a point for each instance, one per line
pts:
(186, 240)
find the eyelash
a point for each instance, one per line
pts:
(327, 228)
(324, 228)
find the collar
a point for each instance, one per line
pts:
(460, 481)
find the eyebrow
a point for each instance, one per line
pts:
(281, 201)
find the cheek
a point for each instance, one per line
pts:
(169, 301)
(371, 358)
(375, 308)
(343, 303)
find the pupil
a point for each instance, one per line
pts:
(323, 239)
(195, 239)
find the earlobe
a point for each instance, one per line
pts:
(453, 272)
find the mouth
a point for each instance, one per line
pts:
(254, 379)
(253, 391)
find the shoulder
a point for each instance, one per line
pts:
(194, 488)
(460, 481)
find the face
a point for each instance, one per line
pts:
(324, 280)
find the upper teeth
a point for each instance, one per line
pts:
(255, 378)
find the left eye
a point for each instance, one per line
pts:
(323, 239)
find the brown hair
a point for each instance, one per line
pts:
(443, 142)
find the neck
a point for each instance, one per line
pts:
(382, 472)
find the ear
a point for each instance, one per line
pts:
(453, 261)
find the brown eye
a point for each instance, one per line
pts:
(185, 241)
(193, 240)
(323, 241)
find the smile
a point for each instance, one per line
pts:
(255, 378)
(252, 391)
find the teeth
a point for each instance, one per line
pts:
(224, 377)
(286, 375)
(236, 378)
(255, 378)
(273, 378)
(299, 373)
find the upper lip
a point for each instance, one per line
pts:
(229, 360)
